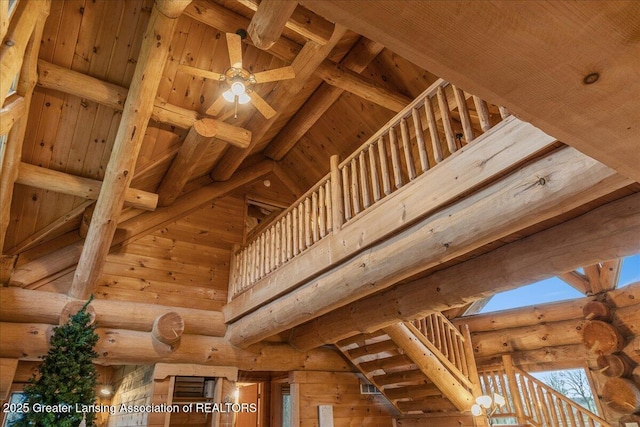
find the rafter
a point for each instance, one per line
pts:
(577, 280)
(128, 141)
(71, 82)
(571, 244)
(303, 22)
(269, 20)
(311, 55)
(13, 110)
(322, 99)
(138, 226)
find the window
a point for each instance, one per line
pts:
(572, 383)
(630, 271)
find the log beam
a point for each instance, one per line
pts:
(74, 83)
(132, 229)
(322, 99)
(17, 306)
(13, 110)
(61, 182)
(186, 161)
(608, 232)
(7, 372)
(305, 63)
(26, 82)
(126, 146)
(268, 22)
(538, 191)
(28, 341)
(303, 22)
(552, 88)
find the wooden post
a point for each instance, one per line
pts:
(472, 369)
(127, 144)
(337, 206)
(513, 388)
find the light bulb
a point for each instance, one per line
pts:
(229, 96)
(243, 98)
(237, 88)
(484, 401)
(476, 410)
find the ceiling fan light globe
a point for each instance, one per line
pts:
(243, 98)
(229, 96)
(237, 88)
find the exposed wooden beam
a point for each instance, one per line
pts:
(525, 198)
(577, 280)
(26, 83)
(7, 263)
(123, 346)
(61, 182)
(592, 272)
(138, 226)
(268, 22)
(71, 82)
(511, 142)
(66, 222)
(347, 80)
(185, 162)
(552, 86)
(7, 371)
(322, 99)
(17, 306)
(128, 141)
(303, 22)
(13, 110)
(574, 243)
(311, 55)
(610, 274)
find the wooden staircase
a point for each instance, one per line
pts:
(422, 367)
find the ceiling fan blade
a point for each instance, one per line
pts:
(276, 74)
(234, 45)
(217, 106)
(200, 73)
(262, 106)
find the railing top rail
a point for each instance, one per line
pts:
(284, 213)
(406, 111)
(560, 396)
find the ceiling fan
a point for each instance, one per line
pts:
(240, 80)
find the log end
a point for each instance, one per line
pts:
(168, 328)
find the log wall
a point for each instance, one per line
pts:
(133, 385)
(342, 392)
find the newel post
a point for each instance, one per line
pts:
(337, 206)
(516, 398)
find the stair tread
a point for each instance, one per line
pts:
(385, 363)
(403, 377)
(412, 391)
(387, 347)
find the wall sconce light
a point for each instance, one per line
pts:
(487, 406)
(106, 390)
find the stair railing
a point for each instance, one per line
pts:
(421, 136)
(529, 400)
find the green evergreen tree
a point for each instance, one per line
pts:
(67, 375)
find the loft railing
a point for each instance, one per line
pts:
(435, 125)
(532, 401)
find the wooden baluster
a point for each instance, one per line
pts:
(450, 346)
(366, 201)
(295, 247)
(504, 113)
(384, 168)
(355, 193)
(526, 398)
(289, 237)
(267, 251)
(252, 263)
(422, 148)
(580, 417)
(258, 258)
(456, 351)
(430, 335)
(445, 113)
(245, 279)
(373, 166)
(563, 414)
(272, 254)
(395, 158)
(406, 145)
(536, 401)
(591, 422)
(322, 213)
(301, 240)
(337, 203)
(483, 113)
(443, 338)
(283, 246)
(307, 222)
(314, 216)
(346, 193)
(572, 416)
(278, 243)
(553, 405)
(328, 206)
(433, 131)
(262, 256)
(464, 362)
(463, 109)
